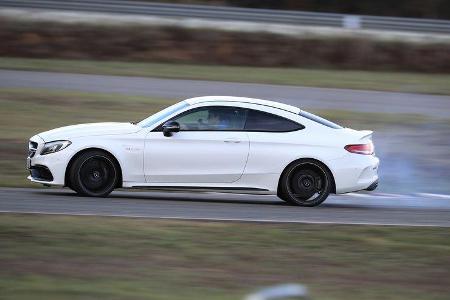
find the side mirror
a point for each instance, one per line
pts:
(170, 127)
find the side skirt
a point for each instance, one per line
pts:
(194, 189)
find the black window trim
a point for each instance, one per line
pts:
(319, 120)
(159, 127)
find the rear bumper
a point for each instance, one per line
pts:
(355, 172)
(373, 186)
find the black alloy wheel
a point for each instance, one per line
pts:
(94, 173)
(305, 183)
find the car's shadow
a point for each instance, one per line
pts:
(195, 197)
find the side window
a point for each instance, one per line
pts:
(212, 118)
(266, 122)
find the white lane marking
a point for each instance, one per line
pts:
(375, 195)
(388, 195)
(222, 219)
(442, 196)
(358, 195)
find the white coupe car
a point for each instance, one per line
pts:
(214, 143)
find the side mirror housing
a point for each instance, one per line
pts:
(170, 127)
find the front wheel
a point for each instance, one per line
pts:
(94, 173)
(305, 183)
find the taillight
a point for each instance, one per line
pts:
(366, 149)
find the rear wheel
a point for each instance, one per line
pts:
(94, 173)
(305, 183)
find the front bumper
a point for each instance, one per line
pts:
(41, 173)
(47, 169)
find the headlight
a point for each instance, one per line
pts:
(55, 146)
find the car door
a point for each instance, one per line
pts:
(211, 147)
(275, 141)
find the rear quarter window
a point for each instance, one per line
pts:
(266, 122)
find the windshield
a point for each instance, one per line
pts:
(319, 120)
(156, 118)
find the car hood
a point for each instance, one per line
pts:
(91, 129)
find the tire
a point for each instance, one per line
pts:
(94, 173)
(305, 183)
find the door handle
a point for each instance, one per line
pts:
(232, 140)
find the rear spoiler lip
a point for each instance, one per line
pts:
(365, 134)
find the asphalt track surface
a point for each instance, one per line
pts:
(365, 209)
(303, 97)
(378, 209)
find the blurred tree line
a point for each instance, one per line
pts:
(433, 9)
(148, 43)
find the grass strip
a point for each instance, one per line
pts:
(64, 257)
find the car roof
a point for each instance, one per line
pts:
(273, 104)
